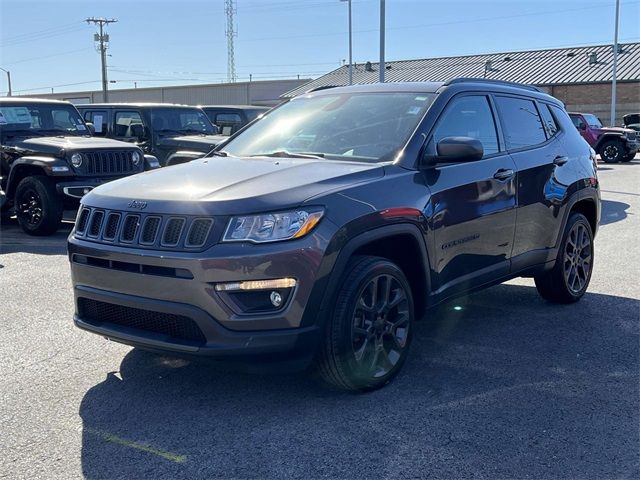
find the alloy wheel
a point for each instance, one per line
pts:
(380, 327)
(610, 152)
(577, 258)
(30, 206)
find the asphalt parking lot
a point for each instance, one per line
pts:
(504, 386)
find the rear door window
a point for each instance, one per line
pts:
(468, 116)
(521, 122)
(123, 123)
(228, 123)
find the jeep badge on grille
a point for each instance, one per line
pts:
(137, 204)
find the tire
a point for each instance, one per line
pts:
(365, 341)
(611, 151)
(567, 282)
(629, 157)
(37, 205)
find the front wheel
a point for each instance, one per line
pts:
(612, 151)
(38, 207)
(567, 282)
(366, 341)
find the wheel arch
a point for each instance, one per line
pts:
(588, 208)
(605, 137)
(21, 171)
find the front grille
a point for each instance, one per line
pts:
(81, 225)
(111, 162)
(632, 136)
(96, 223)
(130, 228)
(145, 230)
(198, 232)
(172, 231)
(177, 327)
(111, 228)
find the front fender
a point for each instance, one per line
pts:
(605, 137)
(45, 164)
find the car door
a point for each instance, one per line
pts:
(472, 203)
(532, 138)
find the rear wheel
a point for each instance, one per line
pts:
(612, 151)
(37, 205)
(568, 280)
(367, 339)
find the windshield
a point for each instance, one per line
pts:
(593, 121)
(181, 121)
(365, 127)
(41, 119)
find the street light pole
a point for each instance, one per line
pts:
(615, 66)
(382, 67)
(350, 45)
(8, 80)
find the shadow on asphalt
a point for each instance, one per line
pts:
(14, 240)
(499, 384)
(612, 211)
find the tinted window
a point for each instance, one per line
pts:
(521, 123)
(577, 121)
(469, 116)
(564, 122)
(592, 120)
(43, 118)
(549, 122)
(168, 121)
(123, 123)
(99, 120)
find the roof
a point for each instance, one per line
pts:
(30, 100)
(536, 67)
(237, 107)
(135, 105)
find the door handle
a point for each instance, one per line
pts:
(503, 174)
(560, 160)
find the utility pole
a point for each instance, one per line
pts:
(230, 10)
(615, 66)
(8, 80)
(103, 42)
(382, 67)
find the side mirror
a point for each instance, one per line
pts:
(458, 149)
(91, 127)
(137, 130)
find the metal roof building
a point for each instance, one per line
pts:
(560, 67)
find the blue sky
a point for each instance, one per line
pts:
(171, 42)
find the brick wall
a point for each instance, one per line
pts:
(596, 98)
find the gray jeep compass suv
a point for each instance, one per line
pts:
(320, 233)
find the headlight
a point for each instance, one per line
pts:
(136, 158)
(271, 227)
(76, 160)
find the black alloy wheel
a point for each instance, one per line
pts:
(380, 327)
(29, 207)
(368, 333)
(577, 258)
(37, 205)
(612, 151)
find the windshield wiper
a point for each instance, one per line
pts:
(199, 132)
(166, 131)
(285, 154)
(218, 153)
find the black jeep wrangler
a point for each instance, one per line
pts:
(49, 160)
(173, 133)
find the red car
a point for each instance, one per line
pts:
(613, 144)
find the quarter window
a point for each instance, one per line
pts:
(469, 116)
(521, 122)
(549, 122)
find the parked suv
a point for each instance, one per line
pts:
(613, 144)
(173, 133)
(632, 121)
(323, 231)
(231, 118)
(48, 160)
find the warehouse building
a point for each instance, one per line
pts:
(263, 92)
(580, 76)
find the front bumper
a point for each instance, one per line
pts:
(142, 280)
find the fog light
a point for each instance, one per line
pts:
(276, 299)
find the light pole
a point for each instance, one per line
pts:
(350, 45)
(382, 67)
(615, 65)
(8, 79)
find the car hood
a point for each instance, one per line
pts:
(200, 143)
(600, 131)
(56, 145)
(231, 185)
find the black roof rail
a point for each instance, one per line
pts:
(493, 82)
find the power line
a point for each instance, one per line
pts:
(41, 36)
(86, 49)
